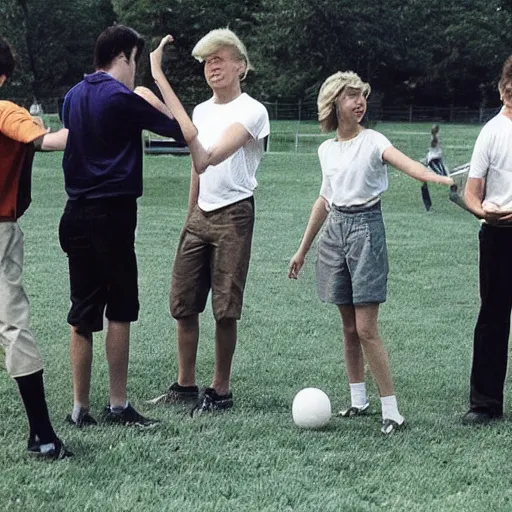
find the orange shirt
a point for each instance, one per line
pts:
(17, 132)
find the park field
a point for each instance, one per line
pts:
(253, 458)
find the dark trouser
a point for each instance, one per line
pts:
(490, 346)
(98, 235)
(425, 196)
(438, 167)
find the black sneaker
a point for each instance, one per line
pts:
(57, 453)
(210, 401)
(480, 417)
(84, 419)
(127, 417)
(391, 426)
(177, 394)
(354, 411)
(33, 445)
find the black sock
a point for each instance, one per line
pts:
(32, 393)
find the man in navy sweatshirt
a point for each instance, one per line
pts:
(103, 179)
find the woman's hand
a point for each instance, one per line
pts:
(446, 180)
(296, 264)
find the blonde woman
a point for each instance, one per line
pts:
(352, 262)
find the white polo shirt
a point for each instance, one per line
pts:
(233, 179)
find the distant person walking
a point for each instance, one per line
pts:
(434, 161)
(352, 260)
(488, 195)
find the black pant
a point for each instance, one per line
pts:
(438, 167)
(98, 235)
(490, 346)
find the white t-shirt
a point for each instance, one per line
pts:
(353, 172)
(492, 160)
(233, 179)
(434, 153)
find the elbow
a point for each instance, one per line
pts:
(205, 162)
(200, 168)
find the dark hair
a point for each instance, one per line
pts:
(506, 74)
(115, 40)
(7, 62)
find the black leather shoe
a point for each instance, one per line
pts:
(479, 417)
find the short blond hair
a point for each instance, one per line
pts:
(330, 90)
(222, 38)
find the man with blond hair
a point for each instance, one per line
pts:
(226, 144)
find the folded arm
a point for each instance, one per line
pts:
(474, 196)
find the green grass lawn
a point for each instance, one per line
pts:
(412, 138)
(253, 458)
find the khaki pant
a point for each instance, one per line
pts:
(19, 348)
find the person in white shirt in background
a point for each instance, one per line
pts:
(226, 142)
(352, 261)
(434, 161)
(488, 195)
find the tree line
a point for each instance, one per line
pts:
(441, 52)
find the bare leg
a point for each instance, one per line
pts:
(373, 348)
(225, 343)
(354, 360)
(81, 364)
(188, 338)
(118, 351)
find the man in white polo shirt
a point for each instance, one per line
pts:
(489, 196)
(226, 145)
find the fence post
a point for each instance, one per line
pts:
(275, 110)
(410, 113)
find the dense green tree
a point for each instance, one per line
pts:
(412, 51)
(187, 22)
(12, 27)
(54, 41)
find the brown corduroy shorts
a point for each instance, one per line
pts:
(213, 253)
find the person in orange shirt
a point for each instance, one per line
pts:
(20, 136)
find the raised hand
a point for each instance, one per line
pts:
(155, 57)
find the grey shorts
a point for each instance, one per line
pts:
(352, 258)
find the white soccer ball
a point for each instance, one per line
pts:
(311, 408)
